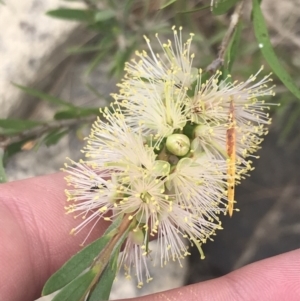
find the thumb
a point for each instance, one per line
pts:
(272, 279)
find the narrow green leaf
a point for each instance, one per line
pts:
(120, 59)
(104, 15)
(106, 46)
(232, 49)
(90, 111)
(77, 289)
(94, 91)
(95, 62)
(8, 132)
(53, 137)
(79, 112)
(68, 114)
(266, 48)
(128, 7)
(167, 4)
(44, 96)
(3, 178)
(194, 10)
(107, 26)
(221, 7)
(82, 15)
(18, 125)
(294, 116)
(79, 262)
(216, 38)
(85, 49)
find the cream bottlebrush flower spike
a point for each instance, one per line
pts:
(169, 153)
(218, 105)
(164, 201)
(223, 119)
(154, 77)
(174, 62)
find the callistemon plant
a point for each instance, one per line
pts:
(165, 157)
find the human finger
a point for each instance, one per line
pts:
(273, 279)
(34, 231)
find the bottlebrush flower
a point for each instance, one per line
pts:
(175, 60)
(211, 100)
(215, 102)
(159, 97)
(163, 107)
(154, 88)
(169, 152)
(153, 111)
(139, 180)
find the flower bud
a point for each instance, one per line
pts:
(141, 217)
(196, 148)
(161, 168)
(137, 236)
(178, 144)
(202, 130)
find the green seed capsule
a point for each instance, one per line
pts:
(202, 131)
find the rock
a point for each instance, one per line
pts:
(30, 47)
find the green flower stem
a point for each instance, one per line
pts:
(103, 258)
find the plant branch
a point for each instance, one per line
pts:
(219, 61)
(41, 129)
(101, 262)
